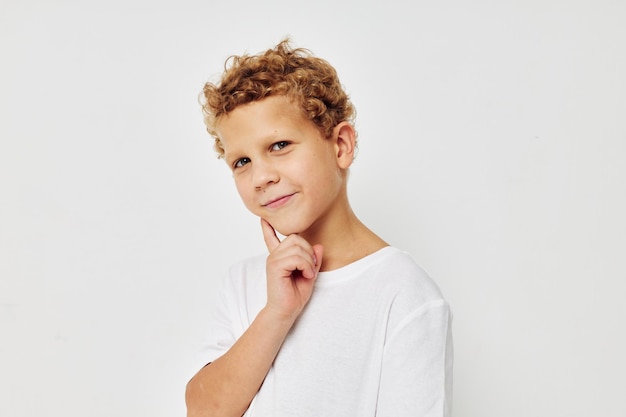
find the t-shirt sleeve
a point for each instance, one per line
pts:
(416, 376)
(219, 330)
(241, 297)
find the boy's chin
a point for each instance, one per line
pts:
(287, 228)
(286, 231)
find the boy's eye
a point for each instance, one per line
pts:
(241, 162)
(279, 145)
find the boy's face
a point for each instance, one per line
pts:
(285, 170)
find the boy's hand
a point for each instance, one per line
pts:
(292, 268)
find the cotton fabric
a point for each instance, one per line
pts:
(374, 340)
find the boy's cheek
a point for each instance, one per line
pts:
(246, 197)
(252, 208)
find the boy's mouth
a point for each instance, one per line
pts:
(278, 202)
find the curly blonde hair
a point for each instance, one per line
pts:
(311, 82)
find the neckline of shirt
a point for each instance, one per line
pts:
(353, 269)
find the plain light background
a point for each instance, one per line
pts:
(492, 147)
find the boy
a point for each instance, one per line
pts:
(334, 322)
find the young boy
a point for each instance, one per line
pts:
(334, 322)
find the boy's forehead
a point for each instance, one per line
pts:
(278, 107)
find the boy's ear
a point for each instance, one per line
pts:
(344, 137)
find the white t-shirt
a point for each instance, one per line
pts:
(374, 340)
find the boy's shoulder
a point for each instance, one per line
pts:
(406, 286)
(399, 269)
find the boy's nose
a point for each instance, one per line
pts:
(264, 175)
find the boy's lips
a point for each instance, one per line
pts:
(278, 202)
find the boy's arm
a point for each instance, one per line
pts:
(226, 386)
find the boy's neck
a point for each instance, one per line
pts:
(345, 240)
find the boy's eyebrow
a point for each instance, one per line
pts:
(263, 141)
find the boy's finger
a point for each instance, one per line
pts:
(269, 235)
(318, 251)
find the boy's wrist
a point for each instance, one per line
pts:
(276, 318)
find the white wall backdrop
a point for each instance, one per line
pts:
(493, 148)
